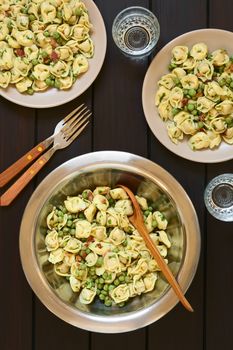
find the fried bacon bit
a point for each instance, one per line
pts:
(104, 201)
(54, 56)
(84, 254)
(184, 101)
(46, 60)
(20, 52)
(90, 196)
(231, 67)
(202, 117)
(99, 245)
(53, 43)
(90, 239)
(199, 94)
(7, 13)
(78, 258)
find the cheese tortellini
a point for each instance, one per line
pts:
(195, 99)
(91, 243)
(43, 44)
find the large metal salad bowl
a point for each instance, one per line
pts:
(143, 177)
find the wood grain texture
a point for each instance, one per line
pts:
(16, 137)
(219, 282)
(176, 18)
(62, 333)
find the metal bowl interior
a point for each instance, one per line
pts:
(55, 291)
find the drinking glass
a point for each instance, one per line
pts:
(135, 31)
(218, 197)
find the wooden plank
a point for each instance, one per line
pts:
(119, 122)
(176, 18)
(219, 283)
(16, 138)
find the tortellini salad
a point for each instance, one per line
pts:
(92, 244)
(43, 43)
(195, 99)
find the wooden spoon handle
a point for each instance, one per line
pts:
(163, 266)
(22, 181)
(25, 160)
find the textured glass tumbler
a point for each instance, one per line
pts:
(135, 31)
(218, 197)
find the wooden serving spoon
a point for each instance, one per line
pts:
(137, 220)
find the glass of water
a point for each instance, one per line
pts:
(136, 31)
(218, 197)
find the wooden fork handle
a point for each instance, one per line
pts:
(25, 160)
(164, 268)
(22, 181)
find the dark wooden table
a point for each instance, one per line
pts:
(119, 124)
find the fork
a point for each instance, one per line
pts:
(66, 131)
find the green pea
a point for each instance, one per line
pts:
(222, 82)
(30, 91)
(116, 250)
(57, 84)
(100, 286)
(176, 81)
(228, 81)
(85, 194)
(125, 243)
(35, 62)
(127, 279)
(44, 54)
(108, 303)
(229, 120)
(105, 287)
(101, 280)
(190, 107)
(105, 275)
(24, 10)
(48, 82)
(154, 223)
(200, 125)
(69, 223)
(59, 14)
(66, 229)
(102, 296)
(175, 111)
(81, 216)
(111, 287)
(194, 112)
(99, 262)
(121, 304)
(72, 231)
(146, 212)
(186, 92)
(88, 251)
(10, 25)
(32, 18)
(60, 233)
(56, 35)
(78, 12)
(116, 282)
(121, 278)
(231, 85)
(111, 201)
(98, 291)
(46, 34)
(192, 92)
(104, 292)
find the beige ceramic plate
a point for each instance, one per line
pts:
(215, 39)
(54, 97)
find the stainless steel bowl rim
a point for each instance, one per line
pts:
(128, 162)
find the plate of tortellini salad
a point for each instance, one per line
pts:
(188, 95)
(50, 50)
